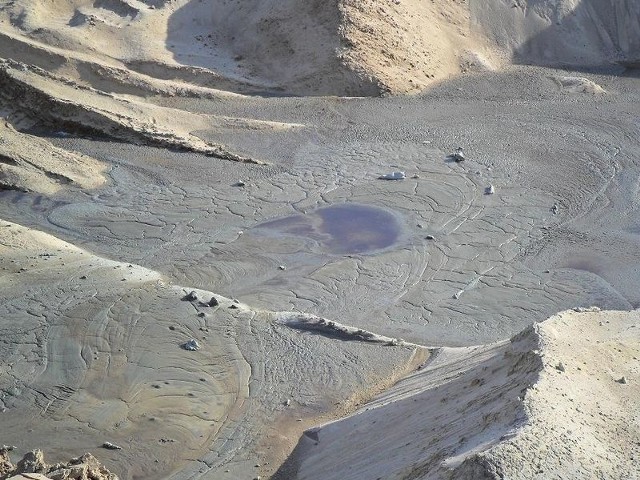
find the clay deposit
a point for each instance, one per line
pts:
(229, 249)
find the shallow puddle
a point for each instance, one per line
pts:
(343, 229)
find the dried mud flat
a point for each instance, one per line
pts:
(202, 277)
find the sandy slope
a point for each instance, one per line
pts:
(577, 33)
(549, 403)
(30, 163)
(341, 47)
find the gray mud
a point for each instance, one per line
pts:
(465, 267)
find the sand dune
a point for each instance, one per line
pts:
(341, 47)
(30, 163)
(576, 33)
(59, 104)
(556, 401)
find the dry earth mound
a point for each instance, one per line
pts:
(341, 47)
(559, 400)
(571, 33)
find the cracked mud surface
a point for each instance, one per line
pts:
(96, 359)
(495, 263)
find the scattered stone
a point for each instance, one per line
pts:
(393, 176)
(213, 302)
(555, 209)
(622, 380)
(430, 237)
(5, 462)
(287, 402)
(111, 446)
(458, 155)
(282, 267)
(32, 466)
(457, 295)
(190, 297)
(415, 175)
(490, 190)
(560, 367)
(32, 462)
(83, 277)
(202, 314)
(233, 306)
(239, 183)
(171, 327)
(192, 345)
(86, 467)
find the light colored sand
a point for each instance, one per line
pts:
(337, 47)
(30, 163)
(546, 404)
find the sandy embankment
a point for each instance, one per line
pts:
(558, 400)
(341, 47)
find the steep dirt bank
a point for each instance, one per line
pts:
(556, 401)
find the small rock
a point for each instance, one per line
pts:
(560, 367)
(111, 446)
(239, 183)
(458, 155)
(233, 306)
(202, 314)
(393, 176)
(287, 402)
(190, 297)
(555, 209)
(430, 237)
(415, 175)
(282, 267)
(192, 345)
(213, 302)
(622, 380)
(490, 190)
